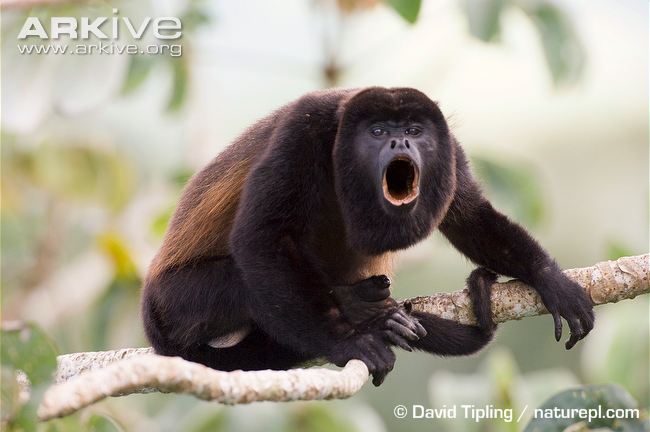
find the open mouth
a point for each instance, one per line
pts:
(401, 181)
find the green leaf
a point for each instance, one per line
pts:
(616, 249)
(483, 18)
(563, 49)
(139, 69)
(26, 347)
(607, 396)
(513, 187)
(408, 9)
(214, 422)
(181, 176)
(11, 402)
(102, 423)
(65, 424)
(26, 419)
(161, 221)
(180, 78)
(502, 370)
(119, 300)
(194, 18)
(318, 418)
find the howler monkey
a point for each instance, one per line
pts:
(279, 249)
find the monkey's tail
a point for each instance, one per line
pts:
(479, 286)
(446, 337)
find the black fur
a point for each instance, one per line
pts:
(311, 217)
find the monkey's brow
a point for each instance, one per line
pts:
(398, 124)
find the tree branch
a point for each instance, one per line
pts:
(85, 378)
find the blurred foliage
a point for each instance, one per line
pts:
(591, 397)
(616, 249)
(28, 361)
(42, 183)
(563, 50)
(499, 383)
(618, 351)
(179, 83)
(484, 18)
(137, 73)
(407, 9)
(94, 422)
(179, 179)
(318, 418)
(161, 220)
(193, 15)
(513, 186)
(120, 298)
(612, 353)
(28, 348)
(70, 171)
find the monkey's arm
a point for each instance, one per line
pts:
(490, 239)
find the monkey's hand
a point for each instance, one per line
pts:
(364, 301)
(401, 329)
(367, 305)
(566, 299)
(371, 349)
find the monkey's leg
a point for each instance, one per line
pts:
(191, 305)
(199, 312)
(447, 337)
(256, 351)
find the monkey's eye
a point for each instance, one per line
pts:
(377, 131)
(413, 131)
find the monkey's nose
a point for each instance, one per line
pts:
(401, 145)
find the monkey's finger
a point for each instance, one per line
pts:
(587, 319)
(404, 320)
(573, 339)
(378, 378)
(557, 319)
(401, 330)
(576, 333)
(385, 365)
(386, 357)
(379, 355)
(419, 329)
(397, 340)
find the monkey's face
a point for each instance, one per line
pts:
(394, 153)
(394, 168)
